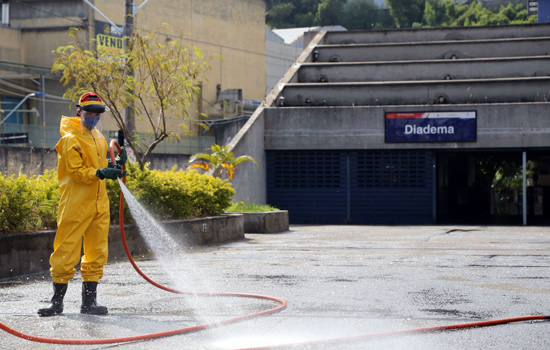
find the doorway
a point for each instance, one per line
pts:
(486, 188)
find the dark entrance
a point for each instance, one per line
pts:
(487, 187)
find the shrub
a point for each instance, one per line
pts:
(170, 195)
(47, 189)
(30, 204)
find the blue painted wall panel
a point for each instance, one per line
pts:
(384, 187)
(311, 185)
(544, 11)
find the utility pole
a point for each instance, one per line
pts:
(129, 117)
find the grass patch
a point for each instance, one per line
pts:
(242, 207)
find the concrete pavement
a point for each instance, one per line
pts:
(338, 281)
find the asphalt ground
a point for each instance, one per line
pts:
(338, 281)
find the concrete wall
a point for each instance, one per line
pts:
(266, 222)
(226, 129)
(521, 125)
(26, 253)
(250, 182)
(437, 34)
(278, 57)
(41, 11)
(425, 70)
(433, 50)
(28, 161)
(427, 92)
(34, 161)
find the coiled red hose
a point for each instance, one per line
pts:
(280, 301)
(282, 305)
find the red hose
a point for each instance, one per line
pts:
(282, 302)
(282, 305)
(407, 331)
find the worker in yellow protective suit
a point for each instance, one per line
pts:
(83, 218)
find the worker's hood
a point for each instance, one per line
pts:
(80, 126)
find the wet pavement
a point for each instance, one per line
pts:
(338, 281)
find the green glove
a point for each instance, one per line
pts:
(122, 158)
(111, 174)
(110, 166)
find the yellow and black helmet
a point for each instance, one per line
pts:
(91, 102)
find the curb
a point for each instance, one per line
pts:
(265, 222)
(27, 253)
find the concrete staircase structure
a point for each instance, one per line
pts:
(336, 95)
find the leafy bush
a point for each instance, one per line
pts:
(30, 204)
(170, 195)
(47, 189)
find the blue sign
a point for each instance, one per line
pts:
(431, 127)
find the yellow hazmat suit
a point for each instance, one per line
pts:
(84, 205)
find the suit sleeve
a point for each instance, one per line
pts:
(76, 162)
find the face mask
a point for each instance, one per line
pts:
(90, 122)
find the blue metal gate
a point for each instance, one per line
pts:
(354, 187)
(312, 185)
(394, 187)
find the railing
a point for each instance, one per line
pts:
(19, 115)
(47, 137)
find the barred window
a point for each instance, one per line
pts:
(391, 169)
(306, 169)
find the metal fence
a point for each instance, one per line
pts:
(47, 137)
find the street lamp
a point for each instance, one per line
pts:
(20, 103)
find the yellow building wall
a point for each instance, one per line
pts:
(37, 47)
(234, 29)
(10, 50)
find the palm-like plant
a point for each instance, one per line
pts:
(219, 160)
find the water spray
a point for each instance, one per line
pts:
(282, 305)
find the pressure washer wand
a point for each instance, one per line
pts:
(112, 145)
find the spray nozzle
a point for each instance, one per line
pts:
(112, 146)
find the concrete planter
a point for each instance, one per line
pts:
(26, 253)
(265, 222)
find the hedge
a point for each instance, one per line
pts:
(30, 203)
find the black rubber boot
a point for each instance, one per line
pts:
(89, 303)
(56, 304)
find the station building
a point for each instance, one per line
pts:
(412, 126)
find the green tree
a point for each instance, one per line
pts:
(445, 13)
(279, 15)
(436, 12)
(471, 15)
(406, 12)
(219, 160)
(165, 83)
(329, 12)
(305, 20)
(361, 14)
(291, 13)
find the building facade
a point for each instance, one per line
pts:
(411, 126)
(31, 30)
